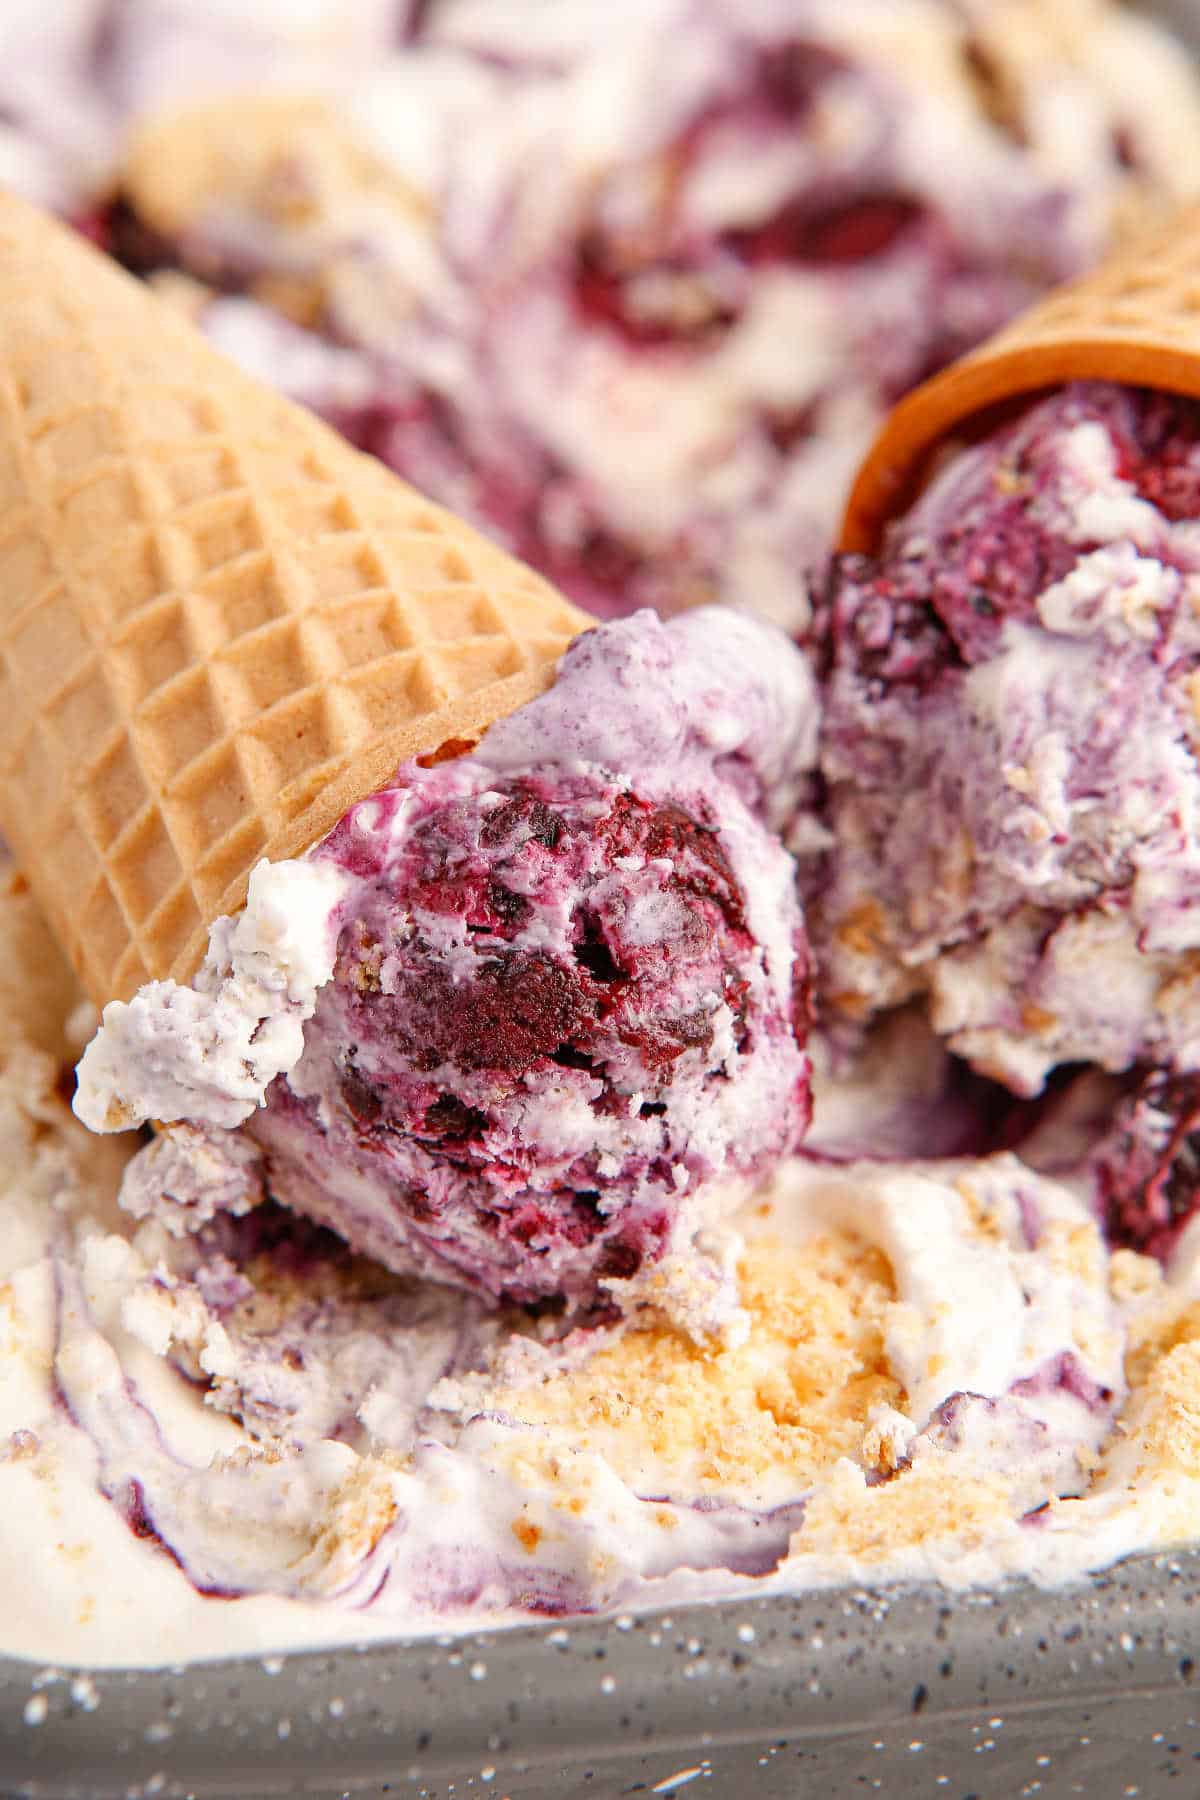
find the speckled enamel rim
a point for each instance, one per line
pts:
(1091, 1690)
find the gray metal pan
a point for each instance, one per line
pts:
(1094, 1690)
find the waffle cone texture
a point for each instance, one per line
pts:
(219, 625)
(1135, 319)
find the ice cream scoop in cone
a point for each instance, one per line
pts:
(220, 625)
(1134, 320)
(1013, 670)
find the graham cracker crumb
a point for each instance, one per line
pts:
(1075, 1249)
(1154, 1334)
(1170, 1421)
(359, 1512)
(864, 929)
(796, 1395)
(527, 1534)
(928, 1503)
(983, 1218)
(1178, 990)
(1132, 1276)
(855, 1006)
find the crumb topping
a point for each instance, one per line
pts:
(797, 1394)
(847, 1519)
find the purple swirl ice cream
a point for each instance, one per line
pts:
(639, 311)
(1009, 746)
(1144, 1171)
(480, 1267)
(510, 1021)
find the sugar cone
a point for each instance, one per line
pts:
(220, 626)
(1136, 319)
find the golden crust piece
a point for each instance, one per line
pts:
(282, 192)
(797, 1394)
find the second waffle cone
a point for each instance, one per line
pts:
(1135, 320)
(220, 626)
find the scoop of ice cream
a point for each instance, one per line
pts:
(566, 1026)
(554, 999)
(1009, 746)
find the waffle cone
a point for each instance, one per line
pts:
(220, 626)
(1135, 319)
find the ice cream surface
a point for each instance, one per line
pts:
(1010, 746)
(636, 313)
(222, 1430)
(515, 1015)
(933, 1361)
(478, 1272)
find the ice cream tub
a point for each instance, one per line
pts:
(1018, 1690)
(911, 1691)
